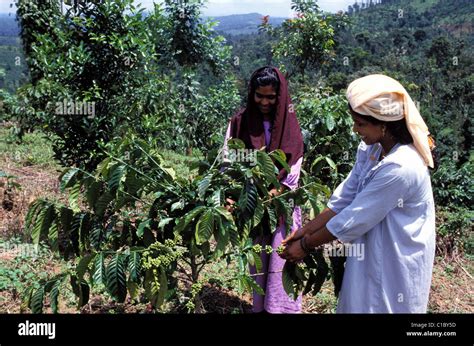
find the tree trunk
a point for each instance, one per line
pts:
(198, 306)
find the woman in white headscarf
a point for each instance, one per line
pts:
(384, 208)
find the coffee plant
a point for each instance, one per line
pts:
(138, 228)
(327, 130)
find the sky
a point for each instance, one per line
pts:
(276, 8)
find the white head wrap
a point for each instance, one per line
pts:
(386, 99)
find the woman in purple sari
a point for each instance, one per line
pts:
(269, 121)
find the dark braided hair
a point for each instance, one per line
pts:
(267, 76)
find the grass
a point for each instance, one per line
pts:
(181, 163)
(23, 265)
(34, 150)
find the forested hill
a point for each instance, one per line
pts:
(396, 34)
(238, 24)
(11, 76)
(428, 46)
(235, 24)
(8, 25)
(453, 16)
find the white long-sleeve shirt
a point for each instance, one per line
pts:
(386, 209)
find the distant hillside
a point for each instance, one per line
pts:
(235, 24)
(428, 45)
(454, 16)
(12, 71)
(238, 24)
(390, 32)
(8, 25)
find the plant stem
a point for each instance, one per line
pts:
(198, 308)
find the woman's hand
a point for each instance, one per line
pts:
(229, 206)
(293, 237)
(274, 192)
(293, 252)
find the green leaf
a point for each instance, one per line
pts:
(54, 295)
(258, 261)
(134, 266)
(258, 215)
(36, 302)
(116, 280)
(248, 200)
(316, 188)
(132, 183)
(267, 166)
(243, 285)
(26, 298)
(184, 221)
(337, 272)
(322, 270)
(53, 236)
(163, 288)
(272, 219)
(225, 213)
(235, 143)
(66, 216)
(156, 286)
(81, 290)
(288, 279)
(318, 159)
(99, 274)
(222, 237)
(102, 167)
(74, 196)
(331, 163)
(203, 185)
(250, 258)
(216, 198)
(133, 289)
(233, 236)
(163, 222)
(84, 231)
(152, 286)
(34, 210)
(284, 209)
(255, 286)
(204, 227)
(97, 236)
(141, 227)
(43, 223)
(93, 193)
(103, 203)
(179, 205)
(68, 178)
(205, 248)
(83, 265)
(280, 157)
(241, 264)
(330, 122)
(117, 174)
